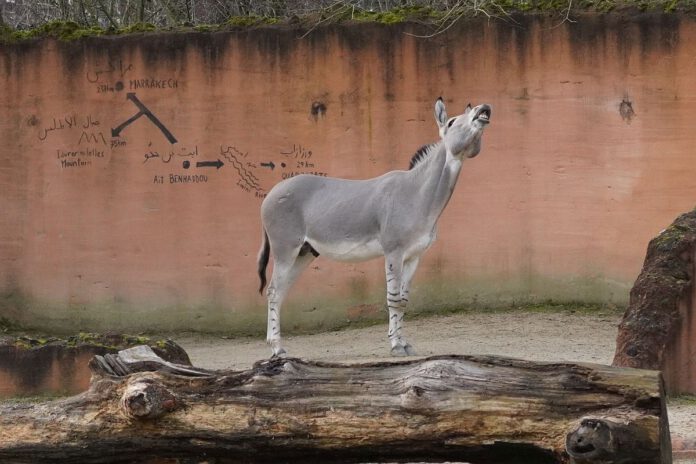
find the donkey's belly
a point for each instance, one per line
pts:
(350, 251)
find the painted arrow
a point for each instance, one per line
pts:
(210, 164)
(144, 111)
(268, 165)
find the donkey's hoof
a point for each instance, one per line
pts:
(403, 350)
(409, 350)
(279, 353)
(398, 350)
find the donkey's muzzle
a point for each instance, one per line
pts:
(483, 114)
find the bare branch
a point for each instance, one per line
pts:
(567, 16)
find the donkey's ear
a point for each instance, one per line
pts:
(468, 108)
(440, 113)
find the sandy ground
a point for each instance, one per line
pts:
(541, 336)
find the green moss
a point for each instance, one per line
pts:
(31, 399)
(523, 5)
(603, 6)
(22, 343)
(88, 338)
(252, 20)
(670, 238)
(670, 6)
(682, 400)
(69, 31)
(136, 340)
(550, 5)
(61, 30)
(206, 28)
(396, 15)
(27, 342)
(65, 30)
(8, 325)
(109, 342)
(138, 27)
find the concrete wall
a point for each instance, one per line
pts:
(109, 221)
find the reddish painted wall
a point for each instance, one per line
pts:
(589, 154)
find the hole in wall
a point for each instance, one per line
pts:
(318, 109)
(626, 110)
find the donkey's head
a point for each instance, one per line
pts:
(462, 134)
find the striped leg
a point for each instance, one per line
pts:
(285, 272)
(398, 272)
(410, 267)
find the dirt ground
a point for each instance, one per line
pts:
(541, 336)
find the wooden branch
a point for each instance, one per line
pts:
(467, 408)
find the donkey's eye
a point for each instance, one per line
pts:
(451, 121)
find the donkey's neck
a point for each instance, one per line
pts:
(436, 176)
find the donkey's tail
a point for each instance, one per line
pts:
(262, 260)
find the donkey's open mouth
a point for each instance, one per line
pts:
(483, 114)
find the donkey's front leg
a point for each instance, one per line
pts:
(395, 302)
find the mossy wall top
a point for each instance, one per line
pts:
(133, 167)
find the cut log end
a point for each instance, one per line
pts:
(601, 440)
(591, 441)
(143, 399)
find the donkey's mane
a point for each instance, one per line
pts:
(420, 155)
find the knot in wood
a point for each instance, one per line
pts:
(416, 398)
(147, 400)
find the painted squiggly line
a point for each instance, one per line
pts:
(246, 176)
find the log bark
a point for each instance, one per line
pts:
(478, 409)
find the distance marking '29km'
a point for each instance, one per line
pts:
(144, 111)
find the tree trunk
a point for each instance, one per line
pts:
(477, 409)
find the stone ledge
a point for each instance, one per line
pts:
(53, 367)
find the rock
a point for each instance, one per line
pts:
(33, 366)
(658, 329)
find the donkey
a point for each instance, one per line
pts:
(394, 215)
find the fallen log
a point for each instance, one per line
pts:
(479, 409)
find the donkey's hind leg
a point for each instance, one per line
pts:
(397, 300)
(286, 269)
